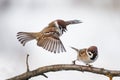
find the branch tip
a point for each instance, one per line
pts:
(27, 64)
(44, 75)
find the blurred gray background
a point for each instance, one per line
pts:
(100, 27)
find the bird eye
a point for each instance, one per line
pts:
(90, 53)
(60, 27)
(93, 51)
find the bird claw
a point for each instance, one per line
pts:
(89, 65)
(73, 62)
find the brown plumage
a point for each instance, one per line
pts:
(48, 38)
(86, 55)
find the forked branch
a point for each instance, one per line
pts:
(60, 67)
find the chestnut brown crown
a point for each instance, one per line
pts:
(63, 24)
(93, 49)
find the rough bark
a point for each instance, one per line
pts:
(60, 67)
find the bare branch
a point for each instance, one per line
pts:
(59, 67)
(27, 63)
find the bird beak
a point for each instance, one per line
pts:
(73, 22)
(65, 29)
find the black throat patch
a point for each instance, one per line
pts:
(94, 56)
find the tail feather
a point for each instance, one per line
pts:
(75, 49)
(25, 37)
(73, 22)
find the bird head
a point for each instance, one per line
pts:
(62, 25)
(92, 52)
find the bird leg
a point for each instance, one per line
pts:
(89, 65)
(74, 62)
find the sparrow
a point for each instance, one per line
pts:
(49, 37)
(86, 55)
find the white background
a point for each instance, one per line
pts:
(100, 27)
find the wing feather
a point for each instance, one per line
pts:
(58, 47)
(51, 42)
(47, 45)
(55, 46)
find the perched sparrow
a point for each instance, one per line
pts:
(86, 55)
(48, 38)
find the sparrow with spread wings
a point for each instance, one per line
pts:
(49, 37)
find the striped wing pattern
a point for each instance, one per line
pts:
(24, 37)
(51, 42)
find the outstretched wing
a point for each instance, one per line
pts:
(51, 42)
